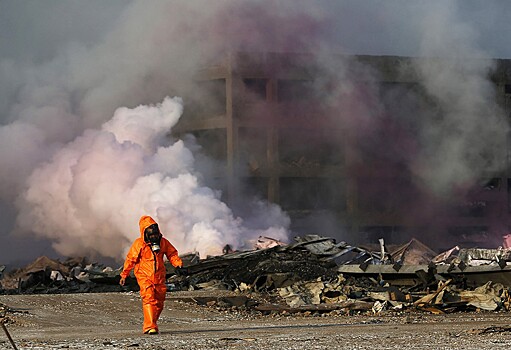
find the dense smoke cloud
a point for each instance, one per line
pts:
(61, 86)
(150, 52)
(87, 197)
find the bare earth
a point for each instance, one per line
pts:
(113, 321)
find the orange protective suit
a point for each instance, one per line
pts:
(150, 273)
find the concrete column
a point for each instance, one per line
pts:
(231, 132)
(272, 146)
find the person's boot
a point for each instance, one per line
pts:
(150, 326)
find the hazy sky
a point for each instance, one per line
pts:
(37, 30)
(66, 66)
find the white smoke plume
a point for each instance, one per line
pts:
(90, 195)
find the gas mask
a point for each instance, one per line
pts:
(152, 236)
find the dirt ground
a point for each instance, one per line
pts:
(113, 321)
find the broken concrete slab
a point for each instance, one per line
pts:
(347, 307)
(409, 275)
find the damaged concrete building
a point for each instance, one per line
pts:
(286, 129)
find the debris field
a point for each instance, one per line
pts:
(315, 284)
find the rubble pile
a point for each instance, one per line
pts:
(46, 275)
(312, 274)
(326, 296)
(263, 269)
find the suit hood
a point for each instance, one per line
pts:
(144, 222)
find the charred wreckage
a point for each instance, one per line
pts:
(314, 274)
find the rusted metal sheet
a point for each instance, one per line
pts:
(413, 252)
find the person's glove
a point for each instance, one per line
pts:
(122, 282)
(181, 271)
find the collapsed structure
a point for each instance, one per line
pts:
(313, 274)
(284, 128)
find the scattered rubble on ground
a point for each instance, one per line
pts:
(45, 275)
(312, 274)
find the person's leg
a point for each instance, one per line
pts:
(160, 293)
(149, 307)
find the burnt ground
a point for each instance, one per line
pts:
(113, 321)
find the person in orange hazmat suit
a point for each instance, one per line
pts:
(146, 258)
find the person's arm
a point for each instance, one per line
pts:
(172, 255)
(129, 263)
